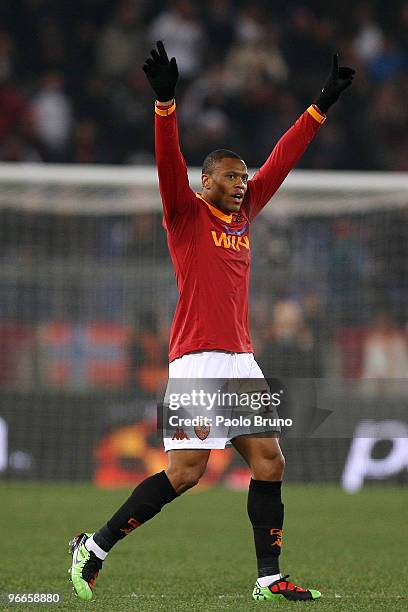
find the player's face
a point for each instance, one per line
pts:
(226, 186)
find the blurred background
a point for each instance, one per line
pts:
(72, 89)
(87, 289)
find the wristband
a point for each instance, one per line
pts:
(317, 113)
(166, 110)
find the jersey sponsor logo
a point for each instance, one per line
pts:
(133, 523)
(231, 232)
(277, 537)
(202, 432)
(227, 241)
(180, 434)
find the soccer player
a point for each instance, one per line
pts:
(209, 243)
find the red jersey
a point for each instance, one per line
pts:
(211, 250)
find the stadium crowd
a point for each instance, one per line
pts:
(72, 89)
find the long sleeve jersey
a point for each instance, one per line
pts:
(211, 250)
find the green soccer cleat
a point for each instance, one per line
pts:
(85, 567)
(282, 589)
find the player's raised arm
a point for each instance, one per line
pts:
(162, 74)
(295, 141)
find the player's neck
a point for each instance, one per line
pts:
(207, 198)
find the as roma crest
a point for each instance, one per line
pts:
(202, 431)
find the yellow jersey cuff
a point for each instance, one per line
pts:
(316, 114)
(164, 111)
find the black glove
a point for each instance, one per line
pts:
(162, 73)
(337, 81)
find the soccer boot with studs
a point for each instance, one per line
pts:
(283, 589)
(85, 567)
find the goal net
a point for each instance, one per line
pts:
(88, 294)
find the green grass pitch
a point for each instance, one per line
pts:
(198, 553)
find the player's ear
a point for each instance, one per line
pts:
(206, 181)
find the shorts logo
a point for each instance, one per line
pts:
(180, 434)
(202, 432)
(277, 537)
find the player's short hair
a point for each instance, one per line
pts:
(215, 156)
